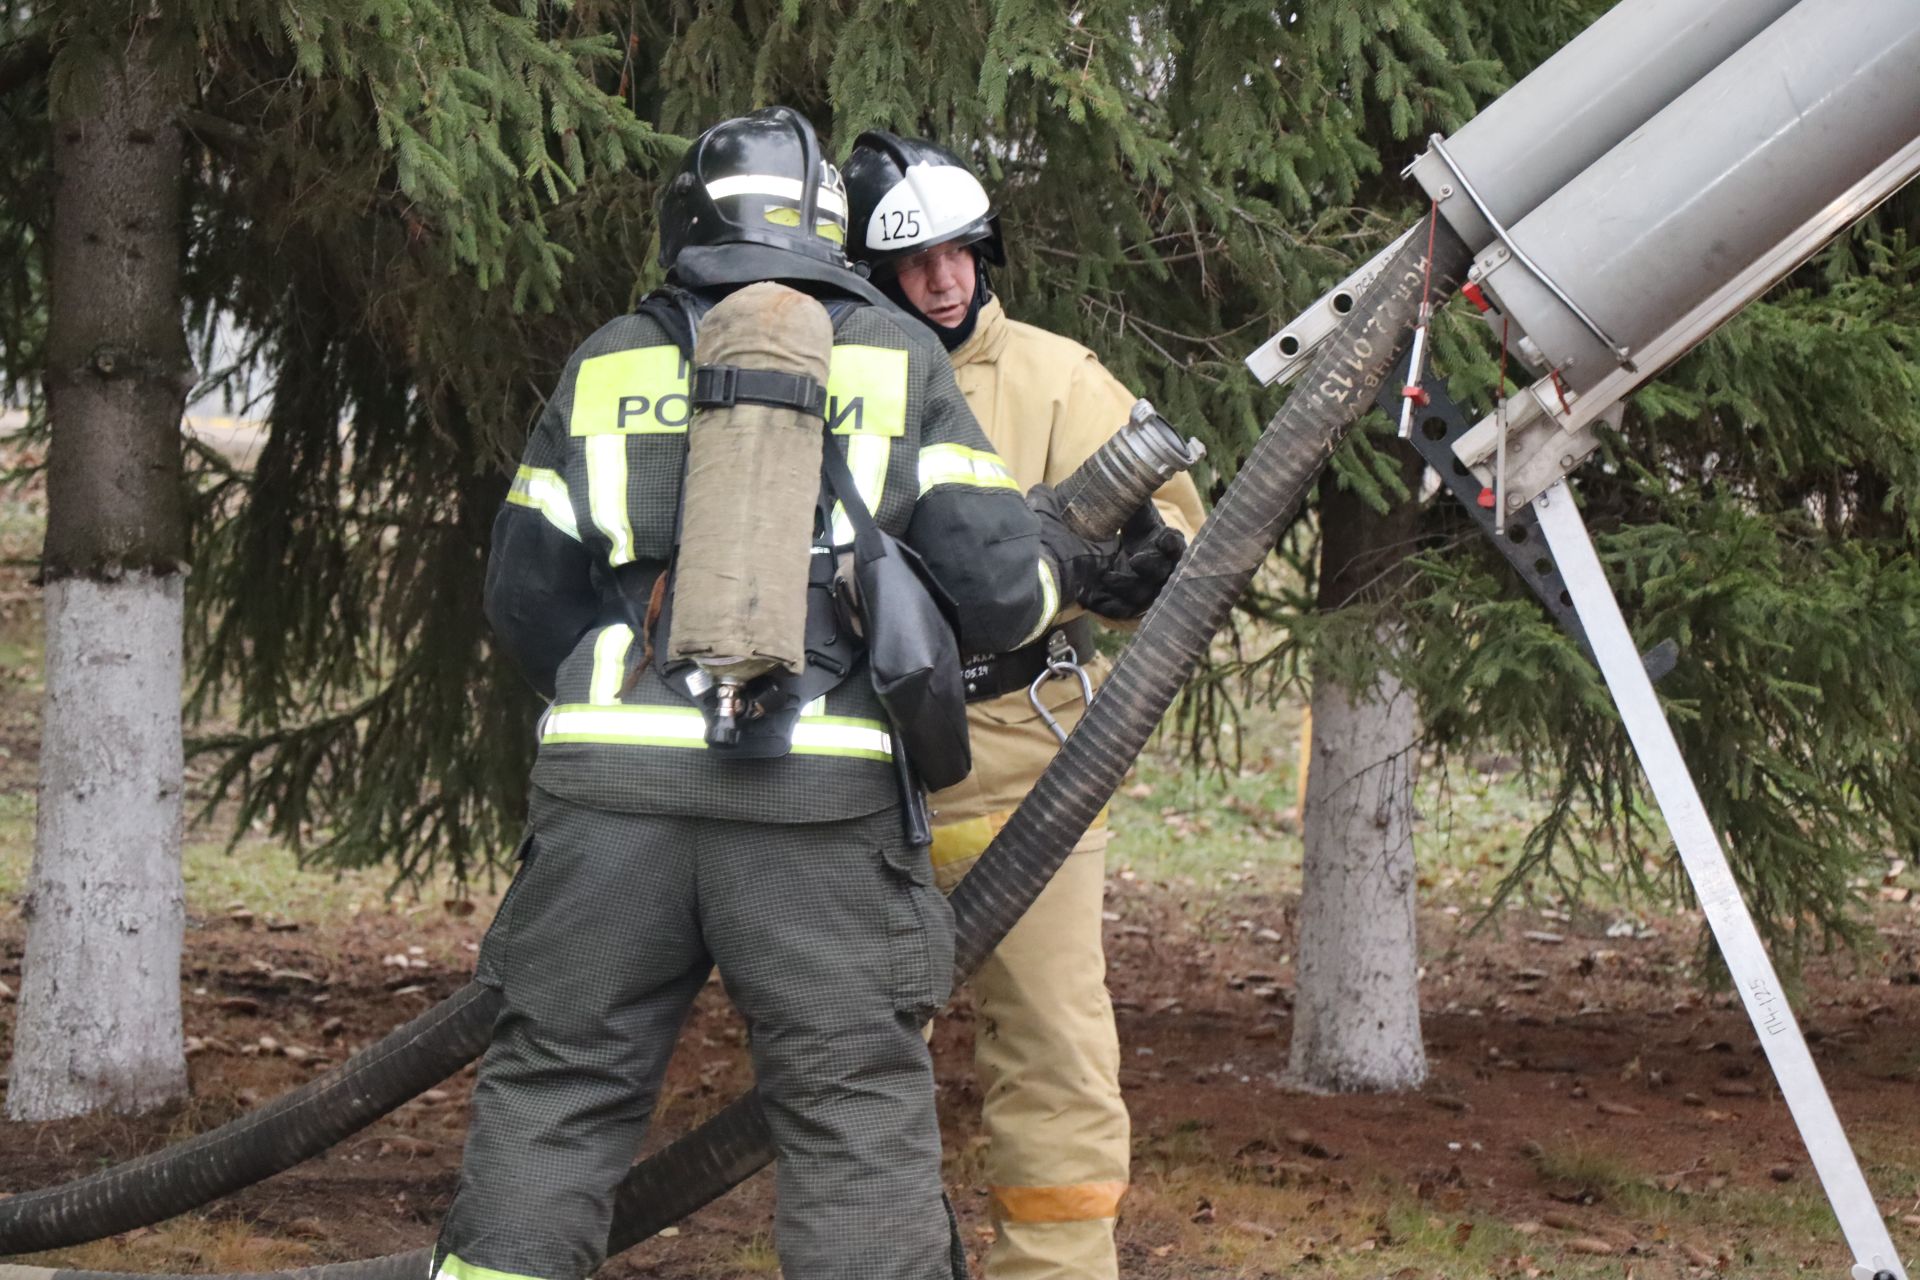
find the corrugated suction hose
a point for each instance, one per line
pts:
(1333, 393)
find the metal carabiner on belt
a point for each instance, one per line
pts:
(1062, 664)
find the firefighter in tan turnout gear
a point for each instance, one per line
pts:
(724, 810)
(1046, 1049)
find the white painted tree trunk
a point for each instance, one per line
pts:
(105, 908)
(1357, 994)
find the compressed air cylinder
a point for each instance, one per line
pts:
(1579, 104)
(753, 477)
(1724, 190)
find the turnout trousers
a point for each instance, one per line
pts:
(1048, 1060)
(833, 943)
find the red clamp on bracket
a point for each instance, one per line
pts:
(1486, 499)
(1477, 298)
(1419, 395)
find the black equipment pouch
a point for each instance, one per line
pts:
(912, 654)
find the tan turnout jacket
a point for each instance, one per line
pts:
(1046, 403)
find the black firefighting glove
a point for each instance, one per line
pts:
(1129, 581)
(1077, 562)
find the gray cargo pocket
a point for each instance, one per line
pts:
(919, 934)
(490, 969)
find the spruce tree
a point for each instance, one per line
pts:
(1176, 180)
(205, 163)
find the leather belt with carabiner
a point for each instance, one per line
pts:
(1063, 663)
(994, 675)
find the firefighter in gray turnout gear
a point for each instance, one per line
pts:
(653, 854)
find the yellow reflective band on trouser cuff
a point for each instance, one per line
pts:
(684, 727)
(957, 464)
(544, 491)
(1049, 604)
(610, 651)
(1068, 1202)
(452, 1268)
(969, 838)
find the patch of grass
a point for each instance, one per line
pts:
(182, 1244)
(16, 841)
(1449, 1246)
(755, 1256)
(268, 878)
(1767, 1229)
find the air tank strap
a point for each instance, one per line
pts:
(721, 386)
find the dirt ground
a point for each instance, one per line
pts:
(1588, 1113)
(1594, 1110)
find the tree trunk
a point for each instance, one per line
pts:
(99, 1014)
(1357, 998)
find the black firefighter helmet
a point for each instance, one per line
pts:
(757, 180)
(908, 194)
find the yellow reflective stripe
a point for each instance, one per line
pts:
(610, 664)
(867, 459)
(867, 391)
(607, 494)
(968, 838)
(637, 392)
(1069, 1202)
(544, 491)
(1049, 602)
(959, 841)
(957, 464)
(452, 1268)
(639, 726)
(684, 727)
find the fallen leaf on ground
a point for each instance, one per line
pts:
(1593, 1245)
(1700, 1257)
(1617, 1109)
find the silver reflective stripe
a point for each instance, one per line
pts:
(607, 493)
(544, 491)
(842, 736)
(957, 464)
(778, 186)
(610, 650)
(867, 458)
(1049, 602)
